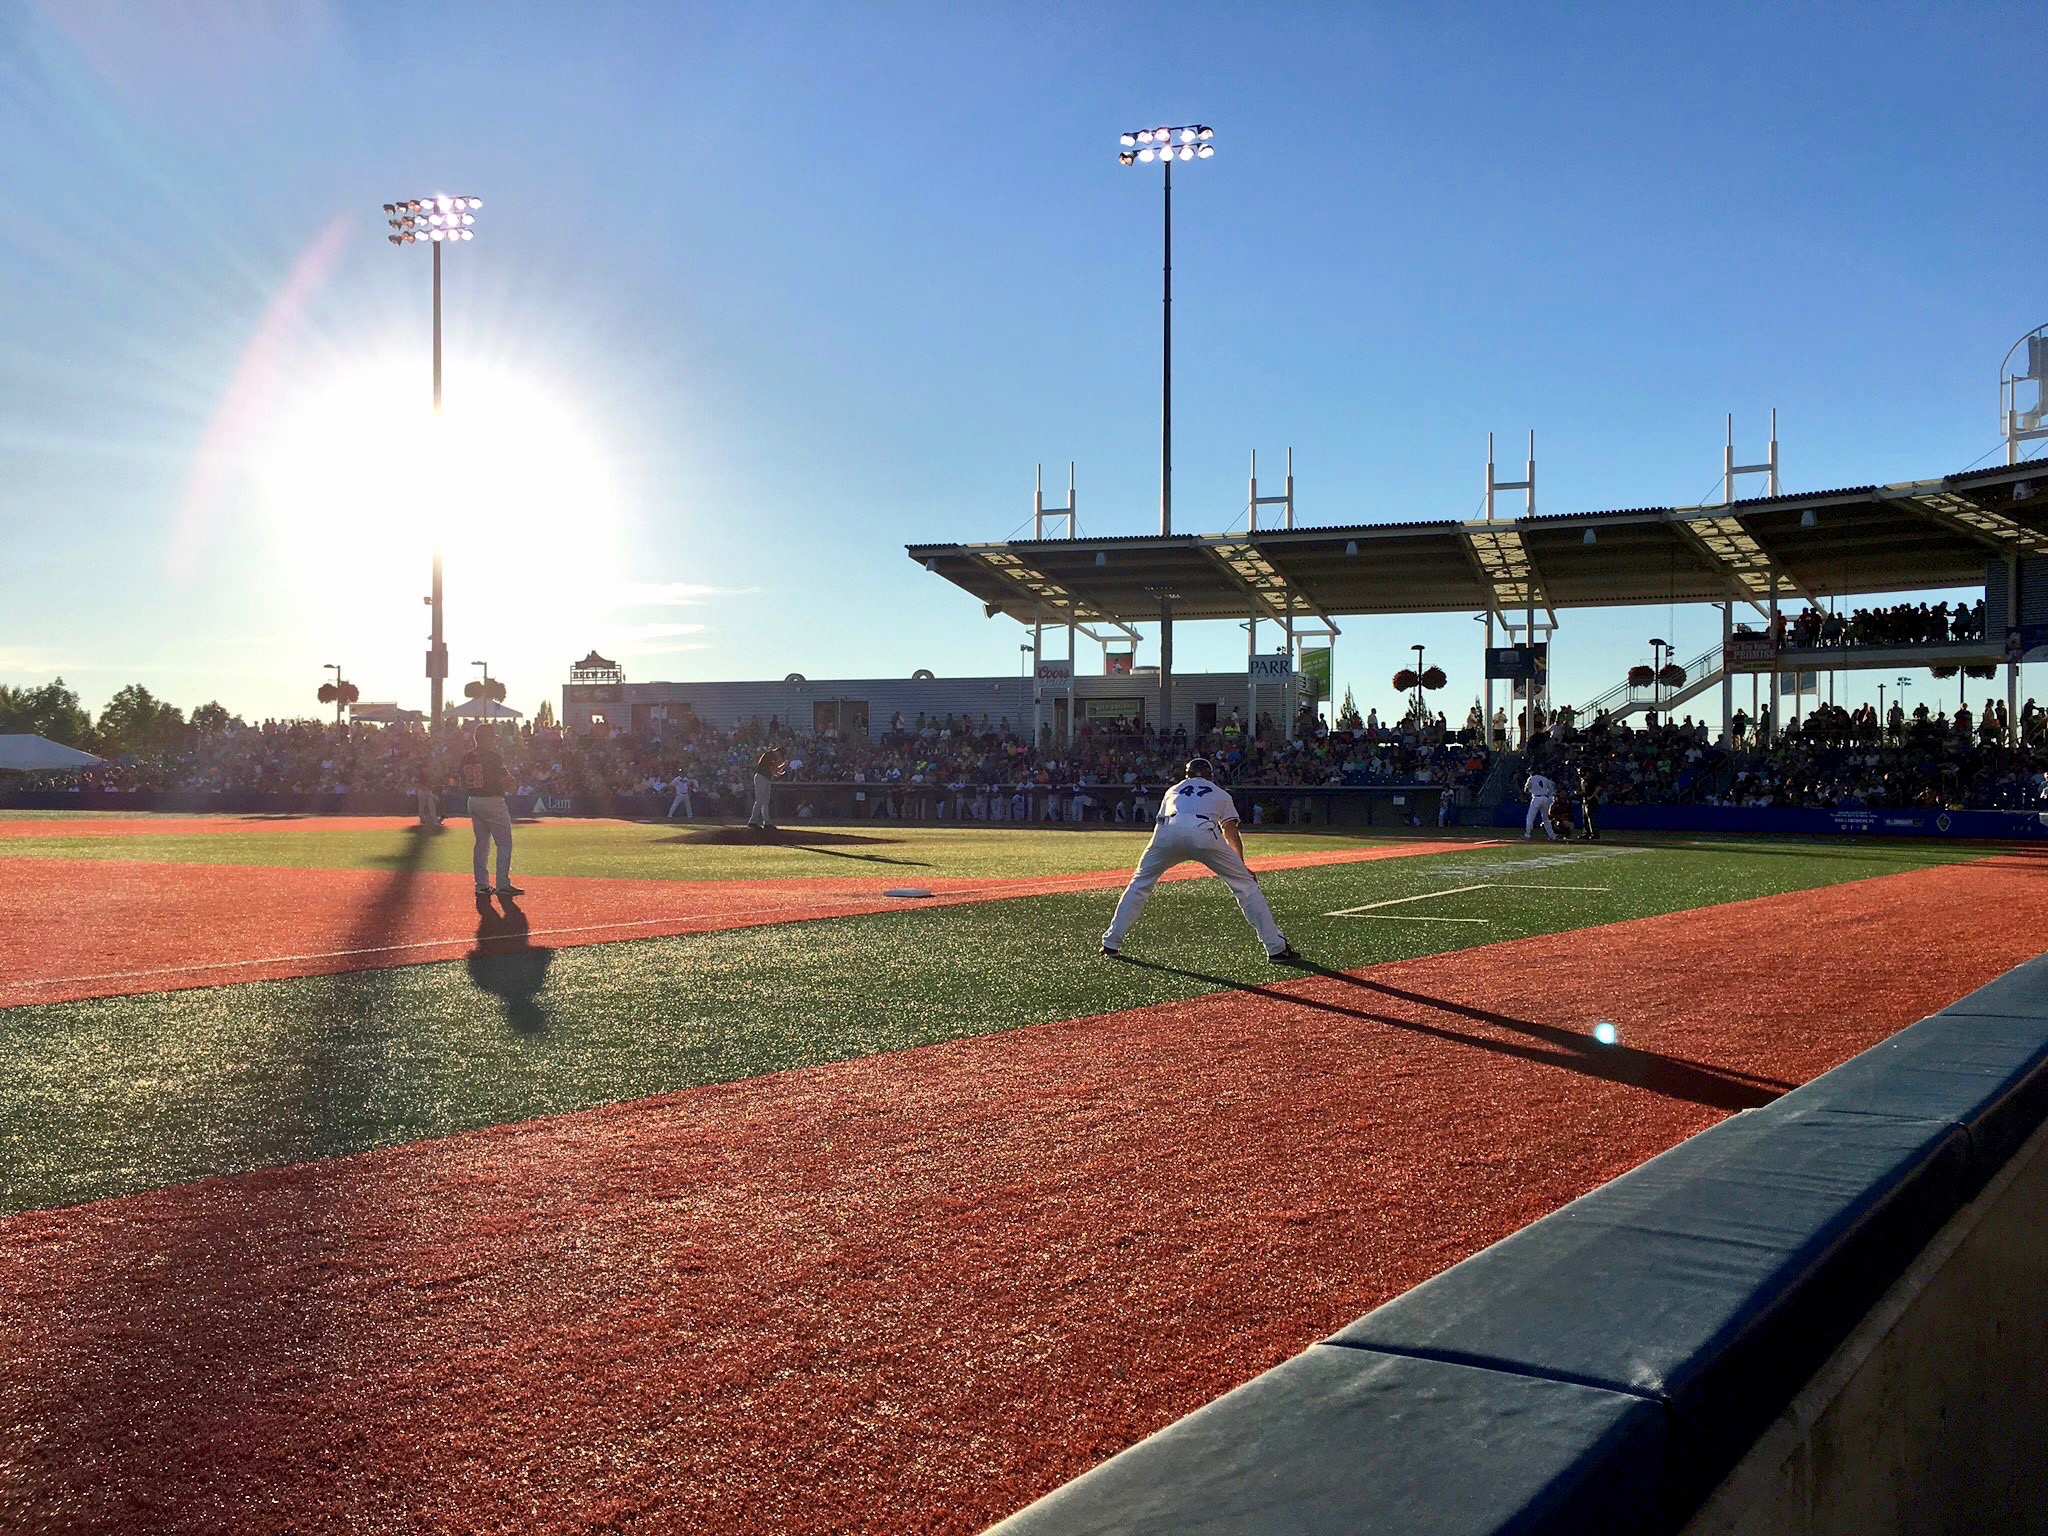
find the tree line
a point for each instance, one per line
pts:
(134, 721)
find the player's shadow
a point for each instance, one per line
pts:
(1546, 1044)
(866, 858)
(812, 839)
(507, 965)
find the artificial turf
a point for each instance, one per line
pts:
(114, 1095)
(659, 851)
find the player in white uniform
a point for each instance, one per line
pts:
(1541, 791)
(1198, 821)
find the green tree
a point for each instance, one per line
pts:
(212, 718)
(136, 720)
(52, 711)
(1349, 713)
(544, 717)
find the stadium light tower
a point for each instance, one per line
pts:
(438, 220)
(1143, 146)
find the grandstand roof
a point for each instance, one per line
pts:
(1915, 536)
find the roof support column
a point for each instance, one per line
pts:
(1487, 723)
(1727, 677)
(1776, 641)
(2012, 655)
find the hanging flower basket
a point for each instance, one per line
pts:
(1405, 679)
(1434, 678)
(477, 689)
(1641, 677)
(344, 693)
(1988, 669)
(1942, 671)
(1673, 675)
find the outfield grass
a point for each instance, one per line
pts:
(660, 851)
(119, 1094)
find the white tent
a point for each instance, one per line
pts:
(37, 754)
(484, 709)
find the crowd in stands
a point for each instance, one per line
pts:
(973, 768)
(1902, 624)
(1833, 758)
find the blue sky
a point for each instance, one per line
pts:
(760, 294)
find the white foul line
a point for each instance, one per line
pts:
(1400, 901)
(1403, 917)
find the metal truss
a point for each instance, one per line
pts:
(1505, 569)
(1719, 539)
(1958, 514)
(1260, 580)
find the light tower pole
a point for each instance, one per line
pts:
(335, 668)
(1187, 141)
(439, 220)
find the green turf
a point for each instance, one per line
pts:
(103, 1097)
(658, 851)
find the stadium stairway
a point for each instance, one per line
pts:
(1829, 1314)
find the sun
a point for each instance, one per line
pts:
(364, 455)
(361, 485)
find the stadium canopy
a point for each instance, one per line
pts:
(484, 709)
(38, 754)
(1915, 536)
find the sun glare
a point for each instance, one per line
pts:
(362, 483)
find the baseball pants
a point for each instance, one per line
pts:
(759, 815)
(682, 802)
(1175, 841)
(491, 821)
(1539, 811)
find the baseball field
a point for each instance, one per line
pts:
(708, 1187)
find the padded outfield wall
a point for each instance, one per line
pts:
(1827, 1315)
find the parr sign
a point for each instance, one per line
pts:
(1270, 669)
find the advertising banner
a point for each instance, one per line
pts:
(1055, 671)
(1117, 663)
(1315, 671)
(1112, 709)
(1749, 653)
(1277, 668)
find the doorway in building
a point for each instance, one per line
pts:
(1205, 719)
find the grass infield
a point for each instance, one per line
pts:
(115, 1095)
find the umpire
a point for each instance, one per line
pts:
(483, 775)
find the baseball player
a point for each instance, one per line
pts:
(483, 775)
(685, 787)
(1198, 821)
(1542, 793)
(768, 768)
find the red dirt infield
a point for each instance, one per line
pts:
(183, 826)
(911, 1292)
(105, 927)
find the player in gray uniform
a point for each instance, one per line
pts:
(1542, 793)
(1198, 821)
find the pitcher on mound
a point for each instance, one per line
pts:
(1198, 821)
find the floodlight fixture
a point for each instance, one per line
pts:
(1142, 146)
